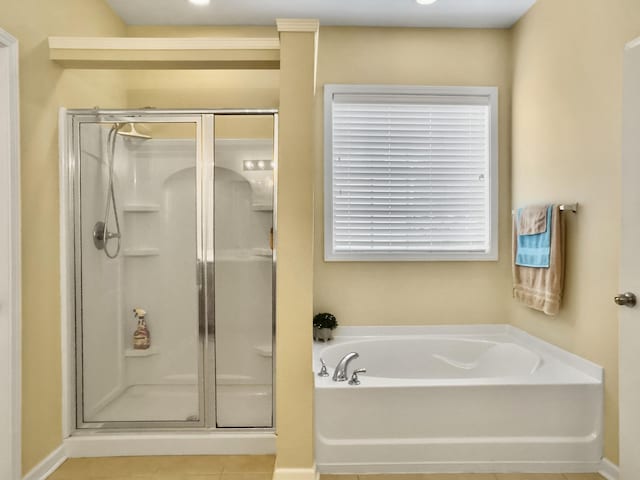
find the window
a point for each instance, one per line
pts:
(411, 173)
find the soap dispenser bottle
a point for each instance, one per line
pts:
(141, 337)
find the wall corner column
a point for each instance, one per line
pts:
(294, 290)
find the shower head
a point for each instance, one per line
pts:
(133, 133)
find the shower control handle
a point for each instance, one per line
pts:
(323, 371)
(354, 376)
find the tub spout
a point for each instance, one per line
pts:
(340, 373)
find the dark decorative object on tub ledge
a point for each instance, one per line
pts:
(323, 326)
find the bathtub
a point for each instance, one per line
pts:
(487, 398)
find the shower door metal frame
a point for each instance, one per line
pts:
(204, 121)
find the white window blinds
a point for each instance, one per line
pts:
(410, 176)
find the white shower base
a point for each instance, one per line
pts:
(151, 403)
(169, 443)
(176, 401)
(238, 405)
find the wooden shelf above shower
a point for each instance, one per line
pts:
(252, 53)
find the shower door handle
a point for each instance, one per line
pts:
(209, 285)
(627, 299)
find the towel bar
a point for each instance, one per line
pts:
(565, 207)
(569, 207)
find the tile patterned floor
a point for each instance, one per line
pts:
(471, 476)
(186, 467)
(241, 467)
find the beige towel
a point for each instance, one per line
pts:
(541, 288)
(533, 220)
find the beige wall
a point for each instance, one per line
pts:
(369, 293)
(207, 88)
(567, 97)
(203, 88)
(566, 146)
(45, 87)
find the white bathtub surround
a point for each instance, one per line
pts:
(487, 398)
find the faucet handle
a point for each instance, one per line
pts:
(323, 371)
(354, 376)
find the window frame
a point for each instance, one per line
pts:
(490, 93)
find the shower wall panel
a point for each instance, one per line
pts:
(244, 281)
(163, 282)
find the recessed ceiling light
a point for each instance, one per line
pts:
(426, 2)
(200, 2)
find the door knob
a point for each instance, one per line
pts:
(627, 299)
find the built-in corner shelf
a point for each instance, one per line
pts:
(257, 254)
(259, 207)
(264, 351)
(141, 252)
(262, 252)
(132, 352)
(141, 208)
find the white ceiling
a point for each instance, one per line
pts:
(388, 13)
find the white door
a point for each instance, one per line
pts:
(9, 262)
(630, 270)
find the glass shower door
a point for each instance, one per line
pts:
(244, 260)
(139, 301)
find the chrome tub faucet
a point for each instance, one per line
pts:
(340, 373)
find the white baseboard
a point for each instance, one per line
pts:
(609, 470)
(47, 466)
(125, 444)
(296, 473)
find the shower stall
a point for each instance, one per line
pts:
(170, 257)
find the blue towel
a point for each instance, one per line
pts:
(535, 250)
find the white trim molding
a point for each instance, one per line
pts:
(10, 278)
(609, 470)
(166, 53)
(298, 24)
(47, 466)
(154, 43)
(302, 25)
(296, 473)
